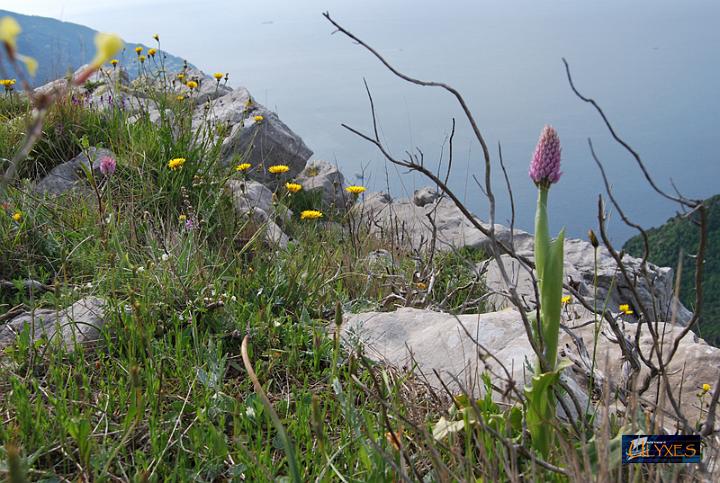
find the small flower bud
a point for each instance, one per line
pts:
(593, 239)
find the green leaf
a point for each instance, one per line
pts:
(541, 410)
(551, 297)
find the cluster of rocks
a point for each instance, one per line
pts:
(431, 221)
(457, 349)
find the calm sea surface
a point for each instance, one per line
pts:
(653, 65)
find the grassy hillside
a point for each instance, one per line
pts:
(62, 46)
(666, 243)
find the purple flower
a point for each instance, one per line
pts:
(189, 224)
(545, 164)
(107, 166)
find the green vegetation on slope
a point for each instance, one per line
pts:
(680, 234)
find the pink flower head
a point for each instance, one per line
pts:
(545, 164)
(107, 166)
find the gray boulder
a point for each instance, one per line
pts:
(653, 284)
(230, 109)
(265, 143)
(326, 179)
(253, 202)
(70, 175)
(410, 221)
(80, 323)
(248, 195)
(459, 347)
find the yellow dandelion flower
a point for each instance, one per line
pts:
(152, 52)
(192, 84)
(180, 97)
(566, 299)
(182, 218)
(625, 309)
(176, 163)
(181, 77)
(243, 167)
(293, 187)
(7, 83)
(142, 59)
(706, 388)
(259, 119)
(310, 215)
(17, 216)
(278, 169)
(114, 62)
(356, 190)
(138, 50)
(218, 76)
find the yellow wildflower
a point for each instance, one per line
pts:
(293, 187)
(192, 84)
(142, 59)
(152, 52)
(138, 50)
(180, 76)
(259, 119)
(278, 169)
(9, 30)
(243, 167)
(30, 64)
(706, 388)
(182, 218)
(218, 76)
(625, 309)
(566, 299)
(7, 83)
(356, 190)
(114, 62)
(421, 286)
(156, 37)
(176, 163)
(180, 97)
(310, 215)
(106, 45)
(17, 216)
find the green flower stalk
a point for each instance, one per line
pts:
(545, 171)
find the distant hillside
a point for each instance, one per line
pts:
(62, 46)
(679, 233)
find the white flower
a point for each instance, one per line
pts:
(233, 298)
(165, 257)
(140, 269)
(250, 412)
(277, 323)
(88, 285)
